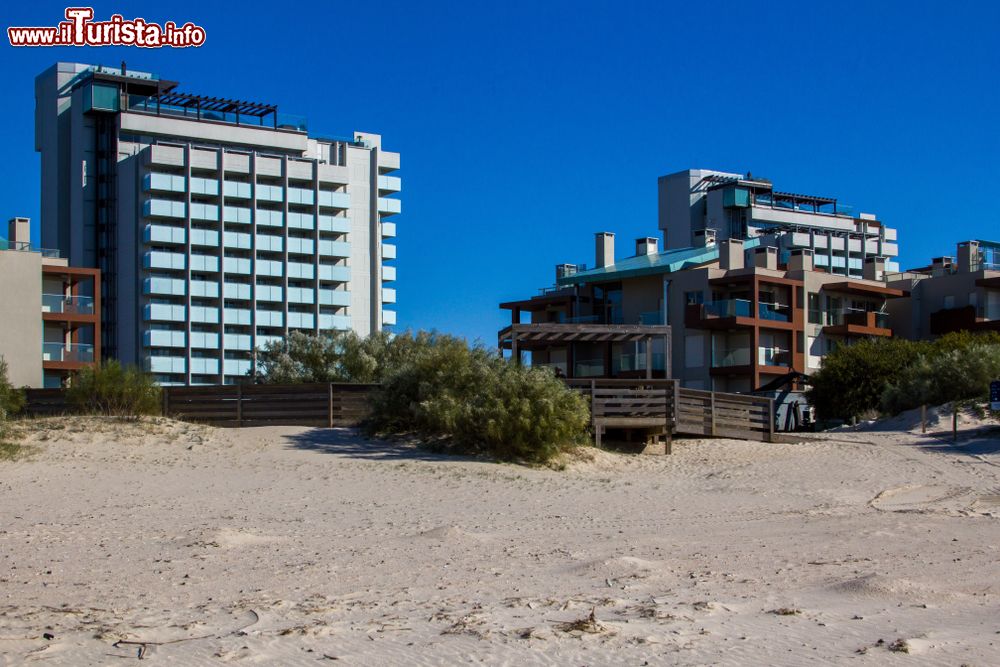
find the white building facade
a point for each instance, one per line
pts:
(219, 225)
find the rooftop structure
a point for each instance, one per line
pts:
(699, 201)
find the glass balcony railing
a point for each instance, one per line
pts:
(651, 318)
(27, 247)
(774, 312)
(858, 317)
(735, 357)
(588, 368)
(774, 356)
(636, 362)
(75, 352)
(728, 308)
(74, 305)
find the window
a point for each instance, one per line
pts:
(949, 301)
(815, 315)
(694, 298)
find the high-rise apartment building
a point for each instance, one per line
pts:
(694, 202)
(218, 225)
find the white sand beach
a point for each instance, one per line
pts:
(298, 546)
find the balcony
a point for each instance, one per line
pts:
(272, 293)
(164, 312)
(164, 234)
(300, 220)
(204, 186)
(241, 291)
(269, 243)
(270, 318)
(301, 271)
(205, 237)
(389, 184)
(388, 230)
(236, 367)
(237, 265)
(340, 322)
(329, 297)
(334, 249)
(163, 183)
(273, 193)
(856, 322)
(156, 259)
(162, 208)
(388, 317)
(335, 273)
(159, 364)
(652, 317)
(300, 196)
(163, 338)
(388, 274)
(205, 289)
(238, 190)
(204, 315)
(300, 246)
(68, 305)
(204, 340)
(237, 316)
(334, 199)
(966, 318)
(268, 218)
(722, 314)
(300, 295)
(388, 295)
(388, 251)
(774, 312)
(738, 357)
(204, 366)
(237, 342)
(236, 240)
(236, 214)
(68, 353)
(298, 320)
(331, 223)
(387, 206)
(774, 356)
(206, 263)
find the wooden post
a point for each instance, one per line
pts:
(649, 357)
(954, 422)
(329, 407)
(711, 413)
(593, 415)
(514, 352)
(770, 420)
(166, 400)
(923, 418)
(239, 405)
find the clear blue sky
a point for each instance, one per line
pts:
(524, 127)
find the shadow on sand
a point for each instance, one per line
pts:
(352, 443)
(982, 441)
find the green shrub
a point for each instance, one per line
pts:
(11, 398)
(854, 377)
(479, 403)
(954, 373)
(337, 356)
(114, 390)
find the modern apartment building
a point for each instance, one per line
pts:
(753, 285)
(734, 206)
(218, 224)
(736, 318)
(51, 324)
(954, 293)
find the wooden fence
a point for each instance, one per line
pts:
(45, 402)
(658, 407)
(648, 404)
(325, 404)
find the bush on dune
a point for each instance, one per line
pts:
(114, 390)
(893, 375)
(480, 403)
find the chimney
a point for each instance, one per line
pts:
(731, 254)
(801, 259)
(704, 238)
(566, 270)
(19, 232)
(605, 249)
(874, 268)
(968, 257)
(766, 258)
(648, 245)
(941, 265)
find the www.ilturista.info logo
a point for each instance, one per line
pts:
(79, 29)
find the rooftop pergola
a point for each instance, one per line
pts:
(202, 103)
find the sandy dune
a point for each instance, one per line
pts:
(304, 546)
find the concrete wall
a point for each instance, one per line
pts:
(21, 305)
